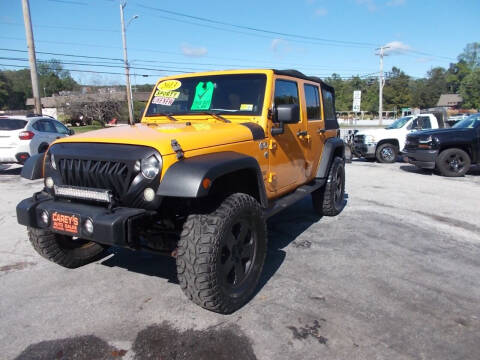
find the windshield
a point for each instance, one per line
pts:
(12, 124)
(470, 122)
(397, 124)
(239, 94)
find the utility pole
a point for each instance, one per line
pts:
(31, 57)
(381, 84)
(127, 66)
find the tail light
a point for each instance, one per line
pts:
(26, 135)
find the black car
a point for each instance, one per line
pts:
(451, 151)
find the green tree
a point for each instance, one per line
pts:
(397, 93)
(5, 91)
(471, 55)
(52, 78)
(470, 90)
(455, 75)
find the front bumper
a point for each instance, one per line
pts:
(421, 158)
(365, 150)
(118, 226)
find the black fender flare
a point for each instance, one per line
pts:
(42, 146)
(332, 145)
(33, 167)
(185, 177)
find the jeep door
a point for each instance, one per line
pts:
(286, 160)
(314, 125)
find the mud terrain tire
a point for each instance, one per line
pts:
(328, 200)
(64, 251)
(221, 254)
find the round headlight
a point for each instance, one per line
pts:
(44, 217)
(49, 182)
(52, 162)
(150, 167)
(88, 226)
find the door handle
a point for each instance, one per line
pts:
(321, 131)
(302, 133)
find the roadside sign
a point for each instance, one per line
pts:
(357, 99)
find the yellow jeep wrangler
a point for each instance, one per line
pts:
(214, 156)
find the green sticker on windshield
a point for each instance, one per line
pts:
(203, 96)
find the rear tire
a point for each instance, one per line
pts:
(220, 255)
(62, 249)
(386, 153)
(328, 201)
(453, 162)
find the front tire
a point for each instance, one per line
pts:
(453, 162)
(328, 201)
(62, 249)
(221, 254)
(386, 153)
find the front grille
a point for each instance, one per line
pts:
(359, 139)
(411, 143)
(99, 166)
(110, 175)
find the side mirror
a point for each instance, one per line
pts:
(71, 132)
(285, 114)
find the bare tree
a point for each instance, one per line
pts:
(101, 107)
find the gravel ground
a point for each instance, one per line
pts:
(395, 276)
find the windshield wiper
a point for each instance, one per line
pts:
(215, 115)
(168, 115)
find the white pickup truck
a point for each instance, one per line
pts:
(386, 144)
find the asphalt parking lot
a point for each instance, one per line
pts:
(395, 276)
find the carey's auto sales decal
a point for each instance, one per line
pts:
(65, 223)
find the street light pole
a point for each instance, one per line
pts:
(381, 84)
(127, 66)
(31, 57)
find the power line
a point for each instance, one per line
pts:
(82, 71)
(70, 2)
(62, 27)
(259, 30)
(169, 62)
(144, 50)
(167, 69)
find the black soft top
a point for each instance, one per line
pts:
(300, 75)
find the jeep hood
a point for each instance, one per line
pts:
(200, 134)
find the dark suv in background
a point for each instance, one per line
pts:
(451, 151)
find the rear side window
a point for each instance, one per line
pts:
(44, 126)
(313, 102)
(329, 109)
(12, 124)
(328, 105)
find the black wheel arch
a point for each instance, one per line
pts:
(43, 147)
(332, 148)
(465, 147)
(187, 178)
(389, 141)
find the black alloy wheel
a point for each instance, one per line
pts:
(237, 255)
(453, 162)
